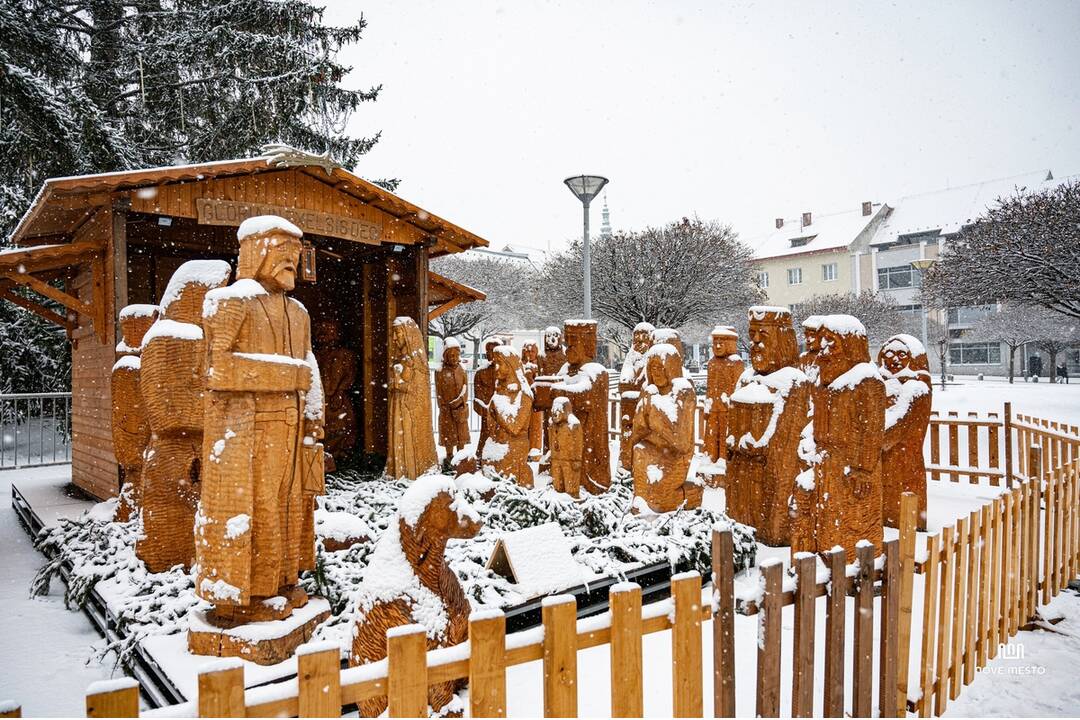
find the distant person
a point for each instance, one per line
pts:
(1063, 374)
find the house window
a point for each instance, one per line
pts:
(901, 276)
(763, 279)
(828, 272)
(979, 353)
(794, 276)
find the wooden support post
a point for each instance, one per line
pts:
(954, 446)
(909, 514)
(318, 673)
(930, 603)
(959, 620)
(406, 685)
(686, 664)
(889, 634)
(802, 662)
(723, 562)
(119, 264)
(835, 611)
(971, 612)
(559, 614)
(113, 699)
(221, 690)
(994, 449)
(768, 659)
(627, 688)
(487, 663)
(941, 694)
(863, 671)
(973, 446)
(935, 449)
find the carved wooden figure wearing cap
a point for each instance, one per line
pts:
(631, 378)
(768, 411)
(908, 393)
(171, 380)
(663, 435)
(411, 449)
(130, 428)
(724, 369)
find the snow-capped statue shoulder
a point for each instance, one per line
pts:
(138, 310)
(209, 273)
(243, 289)
(857, 374)
(265, 223)
(905, 394)
(172, 329)
(128, 362)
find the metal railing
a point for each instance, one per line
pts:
(35, 429)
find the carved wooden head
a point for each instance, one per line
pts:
(270, 257)
(135, 320)
(183, 298)
(662, 365)
(580, 342)
(773, 344)
(406, 337)
(643, 337)
(903, 355)
(530, 352)
(842, 345)
(445, 514)
(561, 410)
(451, 355)
(724, 341)
(669, 336)
(552, 339)
(489, 348)
(509, 372)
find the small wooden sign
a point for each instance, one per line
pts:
(232, 212)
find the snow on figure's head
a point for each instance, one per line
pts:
(644, 327)
(580, 342)
(489, 347)
(407, 340)
(182, 300)
(724, 341)
(642, 337)
(663, 363)
(432, 504)
(561, 410)
(773, 344)
(269, 252)
(904, 356)
(552, 339)
(842, 345)
(135, 320)
(451, 354)
(670, 337)
(509, 372)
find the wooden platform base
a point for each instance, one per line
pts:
(263, 643)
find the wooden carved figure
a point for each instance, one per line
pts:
(908, 397)
(411, 450)
(407, 581)
(663, 435)
(585, 383)
(567, 441)
(811, 327)
(631, 378)
(262, 459)
(483, 388)
(554, 357)
(172, 367)
(530, 364)
(130, 428)
(452, 396)
(337, 366)
(848, 432)
(724, 369)
(509, 417)
(768, 412)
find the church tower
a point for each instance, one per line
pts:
(605, 225)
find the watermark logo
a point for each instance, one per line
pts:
(1011, 651)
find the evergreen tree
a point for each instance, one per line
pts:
(104, 85)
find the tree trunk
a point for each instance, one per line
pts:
(1012, 362)
(1053, 365)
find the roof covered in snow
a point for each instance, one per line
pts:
(826, 232)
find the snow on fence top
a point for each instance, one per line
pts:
(204, 272)
(266, 223)
(758, 312)
(903, 341)
(138, 310)
(843, 325)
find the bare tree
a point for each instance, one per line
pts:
(878, 313)
(689, 271)
(1026, 249)
(1056, 334)
(1012, 326)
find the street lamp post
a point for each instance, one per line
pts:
(585, 188)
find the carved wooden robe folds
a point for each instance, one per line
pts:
(768, 412)
(262, 462)
(411, 450)
(585, 383)
(908, 394)
(631, 378)
(663, 435)
(724, 369)
(844, 499)
(171, 384)
(509, 417)
(452, 395)
(130, 428)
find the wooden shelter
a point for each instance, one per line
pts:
(96, 243)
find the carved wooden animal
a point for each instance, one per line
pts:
(262, 462)
(411, 449)
(768, 412)
(631, 378)
(663, 435)
(567, 446)
(483, 388)
(408, 581)
(171, 380)
(130, 428)
(337, 366)
(585, 383)
(724, 369)
(510, 412)
(452, 396)
(909, 395)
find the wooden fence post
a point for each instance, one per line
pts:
(686, 665)
(318, 673)
(487, 663)
(835, 611)
(723, 563)
(559, 614)
(10, 709)
(959, 618)
(406, 684)
(997, 566)
(768, 659)
(627, 688)
(802, 661)
(1008, 446)
(941, 694)
(1048, 540)
(889, 633)
(909, 515)
(118, 698)
(986, 588)
(971, 612)
(863, 670)
(221, 689)
(930, 601)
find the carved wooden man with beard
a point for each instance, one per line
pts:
(903, 365)
(631, 378)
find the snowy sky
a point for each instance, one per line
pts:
(737, 112)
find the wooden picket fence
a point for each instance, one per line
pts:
(982, 581)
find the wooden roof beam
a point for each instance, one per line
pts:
(43, 288)
(40, 310)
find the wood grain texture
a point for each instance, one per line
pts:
(487, 667)
(686, 666)
(627, 690)
(560, 659)
(908, 399)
